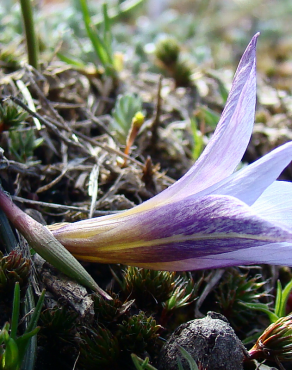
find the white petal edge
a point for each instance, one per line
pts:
(249, 183)
(275, 204)
(272, 254)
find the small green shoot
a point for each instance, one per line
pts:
(11, 116)
(13, 348)
(148, 287)
(138, 333)
(183, 293)
(127, 106)
(23, 144)
(142, 364)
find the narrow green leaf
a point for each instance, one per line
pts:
(31, 349)
(285, 295)
(278, 302)
(179, 364)
(97, 43)
(124, 8)
(31, 329)
(261, 307)
(36, 314)
(136, 361)
(10, 358)
(15, 311)
(71, 61)
(188, 357)
(107, 34)
(22, 341)
(141, 364)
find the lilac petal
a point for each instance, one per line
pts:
(188, 229)
(230, 139)
(273, 254)
(275, 204)
(249, 183)
(192, 264)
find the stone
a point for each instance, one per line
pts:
(211, 342)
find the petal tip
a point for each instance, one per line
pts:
(253, 42)
(255, 37)
(249, 56)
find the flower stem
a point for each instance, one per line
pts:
(29, 27)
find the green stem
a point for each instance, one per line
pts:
(31, 40)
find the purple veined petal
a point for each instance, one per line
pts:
(250, 182)
(189, 229)
(275, 204)
(230, 139)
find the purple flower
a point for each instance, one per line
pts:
(211, 217)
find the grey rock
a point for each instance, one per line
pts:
(211, 341)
